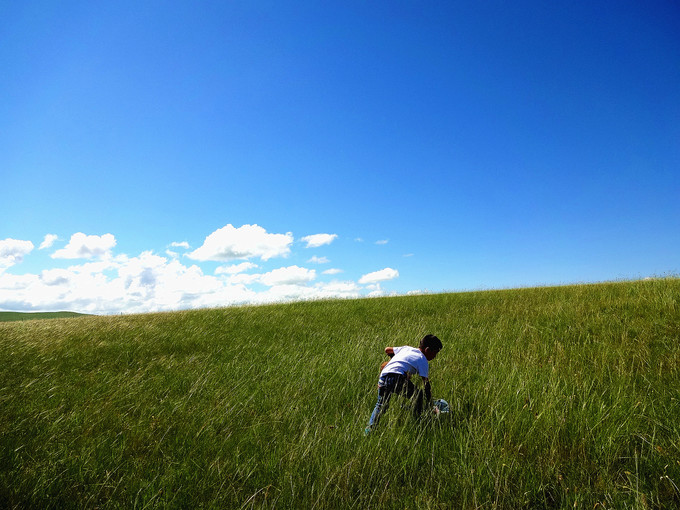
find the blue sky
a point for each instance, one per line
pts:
(168, 155)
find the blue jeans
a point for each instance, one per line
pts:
(388, 385)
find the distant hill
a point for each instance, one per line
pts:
(21, 316)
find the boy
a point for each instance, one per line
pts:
(396, 374)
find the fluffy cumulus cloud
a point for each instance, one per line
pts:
(316, 240)
(379, 276)
(13, 251)
(288, 276)
(123, 284)
(235, 268)
(52, 277)
(168, 284)
(244, 279)
(249, 241)
(291, 275)
(83, 246)
(102, 282)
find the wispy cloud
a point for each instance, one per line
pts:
(48, 241)
(318, 260)
(382, 241)
(316, 240)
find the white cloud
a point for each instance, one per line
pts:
(290, 275)
(319, 260)
(382, 241)
(100, 266)
(230, 243)
(235, 268)
(316, 240)
(82, 246)
(132, 285)
(56, 276)
(379, 276)
(48, 241)
(171, 253)
(150, 282)
(379, 292)
(296, 292)
(244, 278)
(348, 289)
(12, 251)
(165, 284)
(109, 283)
(283, 293)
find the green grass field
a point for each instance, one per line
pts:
(561, 397)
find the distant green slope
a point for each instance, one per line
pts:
(21, 316)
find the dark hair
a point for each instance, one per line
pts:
(432, 342)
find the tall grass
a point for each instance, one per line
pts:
(561, 397)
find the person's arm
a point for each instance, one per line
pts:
(424, 400)
(428, 391)
(390, 352)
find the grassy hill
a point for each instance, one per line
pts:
(28, 316)
(561, 397)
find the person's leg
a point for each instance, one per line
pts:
(386, 387)
(381, 406)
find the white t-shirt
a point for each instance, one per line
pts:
(407, 360)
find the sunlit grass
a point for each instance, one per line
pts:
(560, 397)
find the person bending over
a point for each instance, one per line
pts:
(395, 376)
